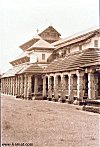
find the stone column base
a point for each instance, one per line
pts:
(62, 100)
(49, 99)
(44, 98)
(55, 100)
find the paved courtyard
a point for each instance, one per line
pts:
(48, 124)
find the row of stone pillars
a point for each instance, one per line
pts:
(70, 85)
(19, 86)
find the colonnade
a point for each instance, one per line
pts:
(19, 85)
(71, 85)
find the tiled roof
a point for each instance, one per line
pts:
(23, 68)
(77, 60)
(22, 55)
(32, 68)
(42, 44)
(29, 43)
(14, 70)
(75, 38)
(35, 38)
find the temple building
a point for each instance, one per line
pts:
(56, 69)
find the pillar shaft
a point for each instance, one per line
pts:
(29, 86)
(71, 94)
(21, 85)
(25, 86)
(49, 88)
(91, 86)
(80, 86)
(44, 86)
(56, 87)
(63, 87)
(36, 85)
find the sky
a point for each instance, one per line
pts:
(20, 19)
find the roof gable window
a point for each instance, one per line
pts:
(43, 56)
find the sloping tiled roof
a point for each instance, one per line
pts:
(32, 68)
(42, 44)
(75, 38)
(14, 70)
(77, 60)
(29, 43)
(22, 55)
(23, 68)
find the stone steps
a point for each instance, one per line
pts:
(91, 109)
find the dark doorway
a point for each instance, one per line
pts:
(86, 85)
(47, 86)
(33, 84)
(98, 84)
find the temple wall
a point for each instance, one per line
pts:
(39, 56)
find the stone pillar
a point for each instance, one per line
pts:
(21, 85)
(25, 86)
(44, 86)
(56, 87)
(80, 85)
(16, 85)
(71, 94)
(5, 85)
(91, 86)
(29, 87)
(63, 98)
(2, 81)
(96, 86)
(49, 88)
(35, 85)
(2, 85)
(9, 87)
(12, 85)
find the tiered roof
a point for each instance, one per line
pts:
(37, 37)
(77, 60)
(41, 44)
